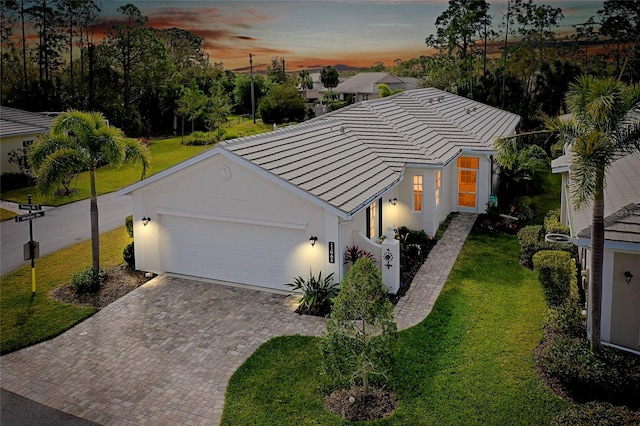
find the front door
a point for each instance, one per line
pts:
(468, 184)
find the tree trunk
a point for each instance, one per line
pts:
(95, 232)
(597, 255)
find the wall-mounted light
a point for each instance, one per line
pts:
(145, 220)
(313, 240)
(627, 277)
(393, 201)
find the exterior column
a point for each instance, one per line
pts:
(391, 261)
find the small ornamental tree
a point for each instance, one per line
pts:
(356, 346)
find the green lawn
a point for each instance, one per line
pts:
(550, 200)
(164, 154)
(26, 320)
(6, 214)
(470, 362)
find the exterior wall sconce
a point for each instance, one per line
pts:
(393, 201)
(627, 277)
(313, 240)
(145, 220)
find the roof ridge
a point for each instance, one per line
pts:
(429, 106)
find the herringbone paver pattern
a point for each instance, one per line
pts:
(164, 353)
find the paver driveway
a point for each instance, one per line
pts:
(162, 354)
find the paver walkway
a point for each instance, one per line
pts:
(428, 282)
(164, 353)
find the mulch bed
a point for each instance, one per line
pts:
(120, 281)
(353, 405)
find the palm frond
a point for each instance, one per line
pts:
(506, 152)
(137, 153)
(57, 167)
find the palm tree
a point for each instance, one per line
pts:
(83, 141)
(604, 124)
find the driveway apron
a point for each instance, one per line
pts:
(164, 353)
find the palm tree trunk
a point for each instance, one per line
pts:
(95, 232)
(597, 255)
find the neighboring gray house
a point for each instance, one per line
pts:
(621, 272)
(364, 86)
(18, 129)
(264, 209)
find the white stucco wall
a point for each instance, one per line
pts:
(200, 190)
(7, 145)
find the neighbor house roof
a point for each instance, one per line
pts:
(349, 157)
(367, 82)
(16, 122)
(622, 190)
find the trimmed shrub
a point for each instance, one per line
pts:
(552, 224)
(129, 255)
(531, 239)
(128, 222)
(566, 320)
(611, 375)
(85, 282)
(200, 138)
(597, 413)
(557, 275)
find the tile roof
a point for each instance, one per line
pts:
(623, 225)
(351, 156)
(347, 157)
(15, 122)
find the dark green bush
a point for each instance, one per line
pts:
(10, 181)
(129, 255)
(557, 275)
(597, 413)
(611, 375)
(200, 138)
(85, 282)
(566, 320)
(531, 239)
(128, 222)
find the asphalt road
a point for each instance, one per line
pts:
(60, 227)
(16, 410)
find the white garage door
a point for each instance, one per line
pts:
(265, 256)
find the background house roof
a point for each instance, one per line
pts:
(15, 122)
(367, 83)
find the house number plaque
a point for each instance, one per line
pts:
(332, 252)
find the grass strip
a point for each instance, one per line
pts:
(26, 320)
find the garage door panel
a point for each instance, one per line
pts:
(244, 253)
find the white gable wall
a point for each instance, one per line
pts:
(244, 200)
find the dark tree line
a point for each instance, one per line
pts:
(143, 79)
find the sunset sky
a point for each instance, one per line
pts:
(310, 33)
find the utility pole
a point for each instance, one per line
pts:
(253, 98)
(284, 74)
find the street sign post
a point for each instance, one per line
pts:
(29, 216)
(33, 246)
(29, 207)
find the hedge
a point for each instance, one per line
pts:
(531, 239)
(552, 224)
(557, 274)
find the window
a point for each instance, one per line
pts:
(373, 212)
(27, 143)
(417, 193)
(438, 175)
(467, 181)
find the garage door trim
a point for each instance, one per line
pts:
(205, 216)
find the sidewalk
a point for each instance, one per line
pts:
(428, 282)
